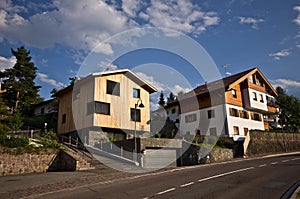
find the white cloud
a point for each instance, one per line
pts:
(285, 83)
(131, 7)
(298, 45)
(106, 65)
(45, 78)
(251, 21)
(280, 54)
(77, 24)
(297, 20)
(6, 63)
(181, 15)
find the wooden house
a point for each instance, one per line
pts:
(105, 105)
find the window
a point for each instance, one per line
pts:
(190, 118)
(245, 115)
(257, 82)
(246, 131)
(261, 98)
(173, 110)
(102, 108)
(42, 111)
(234, 112)
(136, 93)
(256, 117)
(64, 118)
(236, 130)
(254, 96)
(112, 88)
(250, 78)
(233, 91)
(135, 114)
(210, 114)
(213, 131)
(76, 94)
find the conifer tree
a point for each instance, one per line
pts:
(161, 101)
(21, 91)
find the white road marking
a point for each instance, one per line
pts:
(274, 163)
(187, 184)
(262, 165)
(224, 174)
(285, 160)
(166, 191)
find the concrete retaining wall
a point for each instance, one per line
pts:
(262, 143)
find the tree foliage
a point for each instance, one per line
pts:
(21, 91)
(161, 101)
(289, 110)
(171, 98)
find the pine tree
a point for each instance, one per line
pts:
(171, 98)
(21, 91)
(161, 101)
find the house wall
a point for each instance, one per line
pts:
(65, 107)
(120, 105)
(241, 123)
(48, 108)
(255, 104)
(229, 99)
(203, 123)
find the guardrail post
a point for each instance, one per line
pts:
(76, 142)
(121, 151)
(70, 141)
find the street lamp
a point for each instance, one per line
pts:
(139, 104)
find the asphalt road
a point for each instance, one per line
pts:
(252, 178)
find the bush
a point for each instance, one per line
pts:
(13, 142)
(49, 140)
(4, 129)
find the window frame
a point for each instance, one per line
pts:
(101, 110)
(137, 92)
(190, 118)
(211, 113)
(64, 118)
(112, 88)
(137, 117)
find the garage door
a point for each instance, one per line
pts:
(159, 158)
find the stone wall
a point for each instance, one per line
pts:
(262, 143)
(220, 155)
(13, 161)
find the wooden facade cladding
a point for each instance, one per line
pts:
(120, 105)
(237, 100)
(65, 115)
(85, 100)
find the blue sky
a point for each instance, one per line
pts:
(239, 33)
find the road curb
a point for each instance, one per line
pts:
(291, 192)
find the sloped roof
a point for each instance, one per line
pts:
(227, 83)
(142, 83)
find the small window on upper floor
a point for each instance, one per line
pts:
(254, 96)
(76, 94)
(64, 118)
(42, 111)
(210, 114)
(261, 98)
(258, 82)
(112, 88)
(135, 115)
(173, 111)
(250, 78)
(233, 91)
(136, 93)
(190, 118)
(102, 108)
